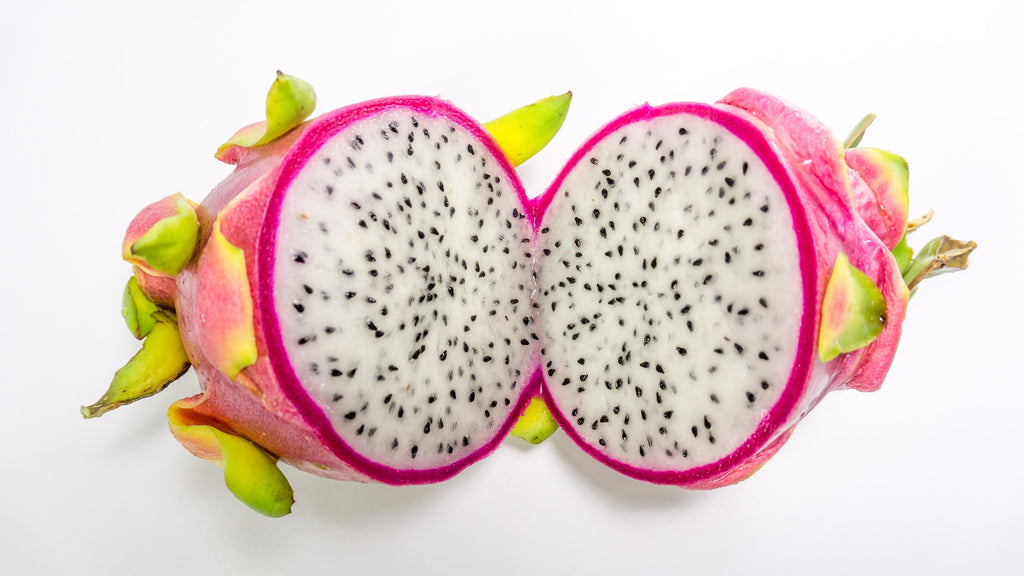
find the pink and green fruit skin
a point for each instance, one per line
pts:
(263, 401)
(827, 202)
(837, 222)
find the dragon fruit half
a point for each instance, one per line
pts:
(708, 274)
(372, 296)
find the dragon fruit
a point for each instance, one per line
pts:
(355, 297)
(707, 274)
(372, 296)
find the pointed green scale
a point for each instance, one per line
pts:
(853, 311)
(253, 477)
(290, 101)
(170, 243)
(138, 310)
(938, 256)
(857, 134)
(161, 361)
(525, 131)
(536, 423)
(250, 473)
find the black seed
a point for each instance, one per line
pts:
(751, 397)
(762, 355)
(299, 307)
(350, 415)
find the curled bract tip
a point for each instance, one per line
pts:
(250, 473)
(161, 361)
(939, 256)
(290, 101)
(525, 131)
(855, 136)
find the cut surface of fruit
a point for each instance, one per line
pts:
(673, 284)
(397, 289)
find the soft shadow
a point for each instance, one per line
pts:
(339, 502)
(616, 486)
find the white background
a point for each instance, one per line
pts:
(107, 106)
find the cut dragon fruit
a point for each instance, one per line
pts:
(371, 295)
(685, 255)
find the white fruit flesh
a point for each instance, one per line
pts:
(403, 284)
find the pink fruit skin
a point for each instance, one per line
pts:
(807, 161)
(265, 403)
(883, 209)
